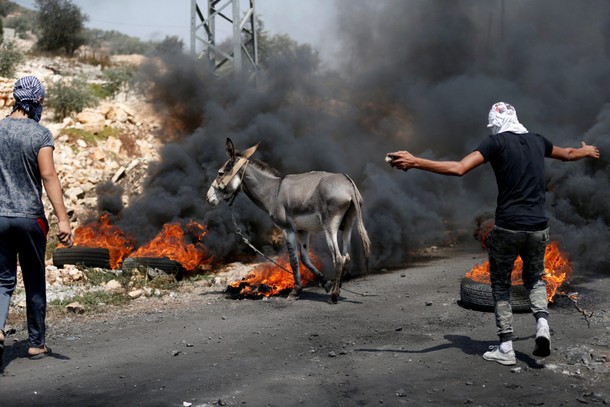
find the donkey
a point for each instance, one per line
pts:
(298, 204)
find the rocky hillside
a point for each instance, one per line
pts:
(112, 142)
(121, 133)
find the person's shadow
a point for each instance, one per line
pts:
(467, 345)
(18, 350)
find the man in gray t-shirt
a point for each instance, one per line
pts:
(26, 165)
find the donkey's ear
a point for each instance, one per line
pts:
(230, 148)
(248, 153)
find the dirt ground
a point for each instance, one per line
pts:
(396, 338)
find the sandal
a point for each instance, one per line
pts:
(46, 352)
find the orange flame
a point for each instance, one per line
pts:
(102, 234)
(557, 269)
(269, 279)
(172, 243)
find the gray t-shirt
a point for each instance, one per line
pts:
(20, 182)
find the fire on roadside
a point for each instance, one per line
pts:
(102, 234)
(557, 269)
(268, 279)
(179, 242)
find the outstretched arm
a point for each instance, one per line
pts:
(403, 160)
(574, 154)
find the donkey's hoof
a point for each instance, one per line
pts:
(334, 298)
(327, 285)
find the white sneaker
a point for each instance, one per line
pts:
(495, 354)
(543, 342)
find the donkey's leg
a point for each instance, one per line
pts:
(347, 226)
(291, 245)
(303, 240)
(338, 259)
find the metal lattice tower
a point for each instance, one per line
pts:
(225, 18)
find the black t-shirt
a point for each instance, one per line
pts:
(518, 163)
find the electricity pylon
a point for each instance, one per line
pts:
(224, 20)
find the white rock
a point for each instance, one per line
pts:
(113, 286)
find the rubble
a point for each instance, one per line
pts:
(83, 164)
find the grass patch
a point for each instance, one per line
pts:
(96, 276)
(164, 282)
(99, 91)
(74, 134)
(199, 276)
(88, 137)
(93, 300)
(107, 132)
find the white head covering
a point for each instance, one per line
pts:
(503, 117)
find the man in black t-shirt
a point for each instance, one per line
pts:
(517, 158)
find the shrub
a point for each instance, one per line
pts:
(116, 78)
(10, 57)
(117, 43)
(7, 7)
(65, 98)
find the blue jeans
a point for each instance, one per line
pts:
(503, 247)
(24, 239)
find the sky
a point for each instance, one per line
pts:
(302, 20)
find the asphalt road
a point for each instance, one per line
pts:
(396, 338)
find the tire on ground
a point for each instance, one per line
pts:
(477, 296)
(87, 256)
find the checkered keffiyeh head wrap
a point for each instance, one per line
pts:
(503, 117)
(29, 95)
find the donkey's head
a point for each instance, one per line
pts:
(228, 182)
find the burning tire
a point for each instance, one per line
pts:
(154, 266)
(87, 256)
(477, 296)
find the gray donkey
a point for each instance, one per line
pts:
(298, 204)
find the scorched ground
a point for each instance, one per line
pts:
(405, 342)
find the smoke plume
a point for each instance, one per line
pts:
(418, 75)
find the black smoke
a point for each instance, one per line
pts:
(416, 75)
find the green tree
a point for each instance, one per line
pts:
(10, 57)
(116, 42)
(60, 26)
(1, 32)
(7, 7)
(170, 45)
(278, 50)
(64, 98)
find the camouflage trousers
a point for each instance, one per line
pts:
(503, 247)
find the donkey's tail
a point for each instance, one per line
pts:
(364, 237)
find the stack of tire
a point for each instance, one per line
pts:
(99, 257)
